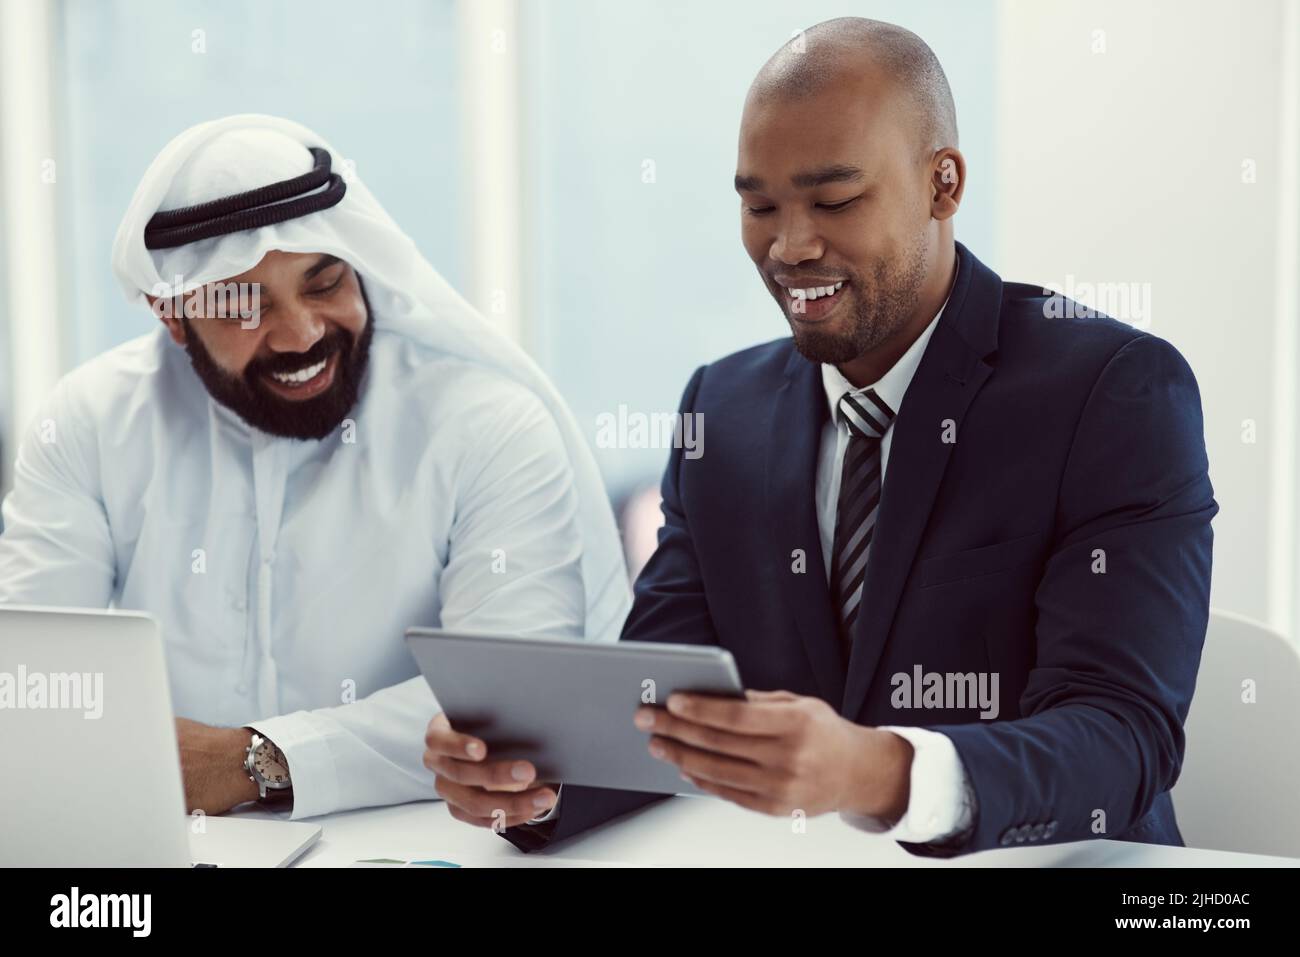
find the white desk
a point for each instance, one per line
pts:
(691, 832)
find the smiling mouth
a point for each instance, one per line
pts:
(807, 304)
(302, 376)
(305, 382)
(810, 293)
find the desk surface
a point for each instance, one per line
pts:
(703, 832)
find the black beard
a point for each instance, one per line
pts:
(878, 310)
(248, 397)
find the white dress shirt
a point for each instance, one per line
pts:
(283, 574)
(940, 803)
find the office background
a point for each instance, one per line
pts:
(567, 164)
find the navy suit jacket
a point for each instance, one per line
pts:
(1061, 541)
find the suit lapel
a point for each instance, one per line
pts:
(793, 440)
(949, 375)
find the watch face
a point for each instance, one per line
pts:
(270, 764)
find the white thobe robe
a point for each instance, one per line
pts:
(284, 573)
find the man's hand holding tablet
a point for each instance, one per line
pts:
(480, 790)
(778, 752)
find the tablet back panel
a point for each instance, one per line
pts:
(567, 706)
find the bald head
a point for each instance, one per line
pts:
(849, 176)
(882, 57)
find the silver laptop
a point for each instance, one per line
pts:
(89, 769)
(567, 705)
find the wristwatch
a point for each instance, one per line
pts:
(268, 769)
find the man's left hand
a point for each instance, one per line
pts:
(778, 752)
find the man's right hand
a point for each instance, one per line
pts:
(495, 794)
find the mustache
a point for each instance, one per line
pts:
(335, 341)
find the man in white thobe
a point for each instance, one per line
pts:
(288, 489)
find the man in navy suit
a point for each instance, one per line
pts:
(958, 543)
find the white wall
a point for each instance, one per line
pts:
(1127, 166)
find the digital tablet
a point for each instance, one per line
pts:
(567, 706)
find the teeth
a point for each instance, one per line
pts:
(302, 375)
(816, 292)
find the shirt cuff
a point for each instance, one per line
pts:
(305, 741)
(940, 803)
(555, 808)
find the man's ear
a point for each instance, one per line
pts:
(947, 182)
(165, 310)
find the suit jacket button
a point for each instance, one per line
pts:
(1036, 832)
(1008, 837)
(1023, 834)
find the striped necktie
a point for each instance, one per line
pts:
(868, 419)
